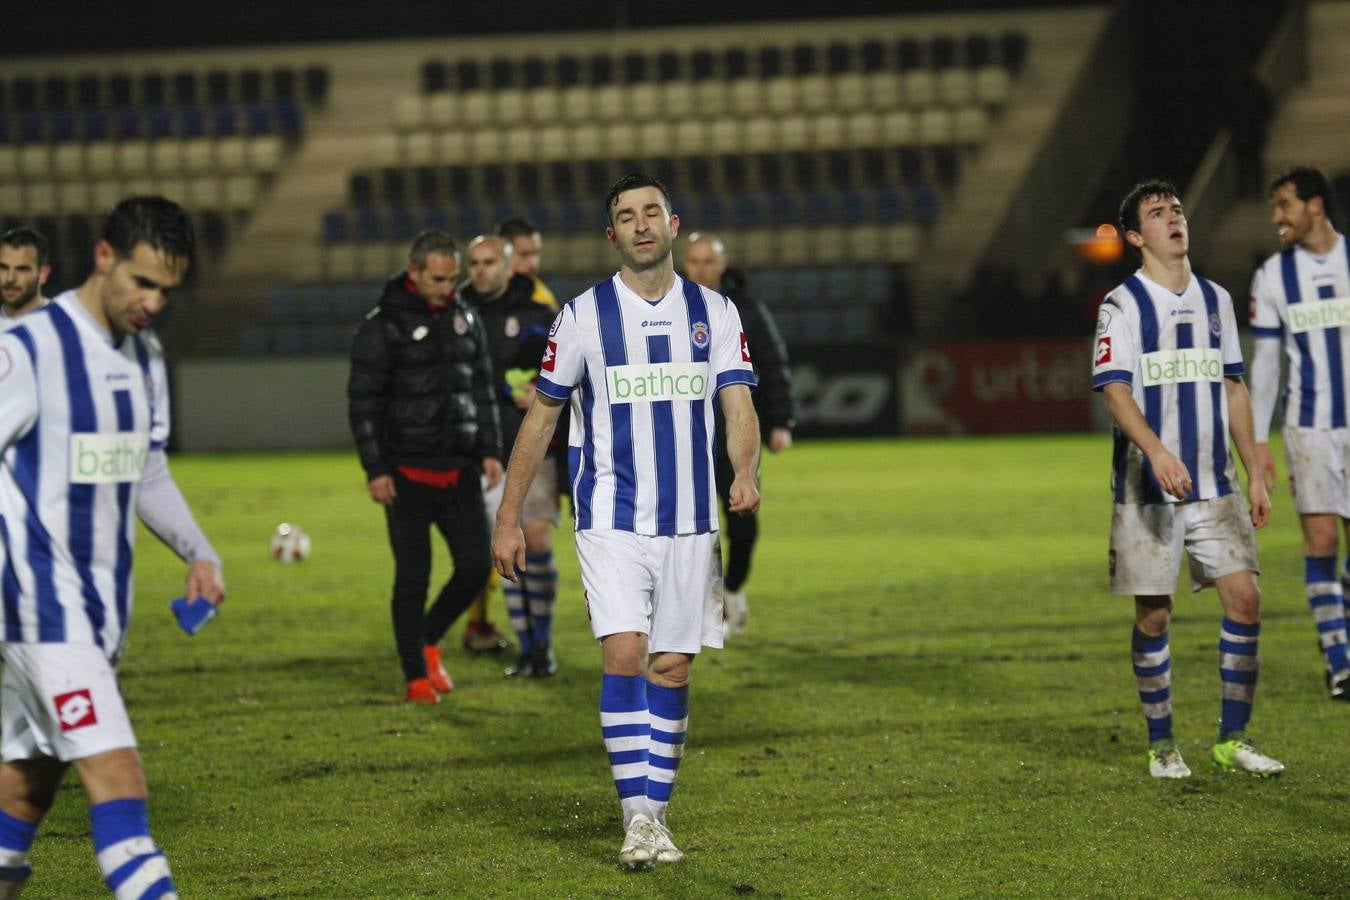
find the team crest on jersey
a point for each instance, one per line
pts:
(700, 335)
(1215, 324)
(512, 326)
(460, 324)
(75, 709)
(1103, 319)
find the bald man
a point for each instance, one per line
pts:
(517, 321)
(705, 263)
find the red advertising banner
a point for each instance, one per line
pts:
(988, 387)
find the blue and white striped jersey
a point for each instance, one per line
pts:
(1174, 351)
(1305, 299)
(76, 425)
(643, 378)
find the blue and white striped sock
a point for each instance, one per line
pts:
(513, 598)
(16, 839)
(1328, 608)
(133, 867)
(1238, 668)
(625, 724)
(541, 586)
(670, 722)
(1153, 671)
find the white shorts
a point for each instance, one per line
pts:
(1318, 463)
(541, 500)
(60, 700)
(1147, 540)
(668, 588)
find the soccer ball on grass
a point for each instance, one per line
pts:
(289, 543)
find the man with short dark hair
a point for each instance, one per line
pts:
(422, 410)
(1301, 297)
(642, 356)
(705, 262)
(83, 423)
(24, 269)
(1169, 366)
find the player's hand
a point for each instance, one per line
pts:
(1260, 502)
(744, 496)
(780, 439)
(523, 397)
(204, 580)
(1171, 474)
(381, 489)
(492, 471)
(508, 550)
(1265, 464)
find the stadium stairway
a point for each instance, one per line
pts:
(1308, 128)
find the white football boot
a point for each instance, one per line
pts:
(639, 844)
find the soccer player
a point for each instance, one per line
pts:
(1302, 295)
(422, 410)
(527, 246)
(517, 326)
(83, 419)
(24, 269)
(1168, 363)
(642, 356)
(705, 262)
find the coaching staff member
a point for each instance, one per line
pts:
(424, 417)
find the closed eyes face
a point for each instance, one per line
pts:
(136, 288)
(643, 228)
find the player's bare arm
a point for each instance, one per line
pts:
(742, 446)
(536, 430)
(1240, 425)
(1170, 471)
(1264, 388)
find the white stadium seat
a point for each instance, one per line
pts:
(410, 112)
(920, 88)
(198, 155)
(781, 96)
(231, 155)
(39, 198)
(992, 85)
(609, 103)
(543, 105)
(885, 90)
(72, 197)
(35, 161)
(133, 157)
(850, 92)
(863, 129)
(935, 127)
(67, 161)
(443, 110)
(100, 158)
(747, 97)
(971, 125)
(452, 146)
(475, 109)
(577, 104)
(677, 99)
(827, 131)
(815, 93)
(955, 87)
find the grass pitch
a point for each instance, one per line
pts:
(934, 698)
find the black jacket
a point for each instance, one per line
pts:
(517, 327)
(774, 400)
(420, 392)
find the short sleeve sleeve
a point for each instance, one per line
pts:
(1265, 311)
(157, 382)
(18, 391)
(1114, 351)
(730, 356)
(1230, 343)
(563, 360)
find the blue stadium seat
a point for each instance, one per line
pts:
(119, 89)
(734, 176)
(873, 167)
(437, 217)
(572, 216)
(288, 340)
(427, 186)
(361, 190)
(702, 65)
(663, 169)
(1012, 47)
(503, 210)
(223, 121)
(253, 340)
(494, 182)
(735, 63)
(393, 186)
(770, 59)
(946, 165)
(214, 231)
(24, 94)
(317, 80)
(784, 209)
(217, 87)
(435, 76)
(95, 125)
(596, 177)
(911, 165)
(191, 121)
(128, 123)
(700, 174)
(541, 214)
(769, 169)
(852, 207)
(838, 58)
(890, 205)
(634, 69)
(259, 118)
(153, 89)
(335, 226)
(468, 76)
(601, 69)
(62, 126)
(808, 285)
(667, 66)
(536, 72)
(747, 210)
(402, 227)
(4, 131)
(569, 71)
(908, 55)
(874, 285)
(979, 50)
(839, 169)
(370, 225)
(30, 128)
(470, 220)
(283, 83)
(352, 301)
(804, 60)
(855, 322)
(873, 56)
(710, 213)
(501, 73)
(942, 52)
(159, 121)
(458, 182)
(529, 180)
(805, 171)
(819, 208)
(250, 86)
(562, 178)
(290, 118)
(927, 204)
(281, 305)
(55, 93)
(768, 285)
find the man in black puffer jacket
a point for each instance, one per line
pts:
(422, 409)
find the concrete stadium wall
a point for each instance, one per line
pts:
(250, 404)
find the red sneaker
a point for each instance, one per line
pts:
(436, 674)
(421, 691)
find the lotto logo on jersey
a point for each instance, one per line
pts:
(75, 710)
(657, 381)
(107, 458)
(1103, 354)
(1177, 366)
(1333, 313)
(550, 357)
(745, 348)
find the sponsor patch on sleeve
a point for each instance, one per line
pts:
(745, 348)
(550, 357)
(1103, 354)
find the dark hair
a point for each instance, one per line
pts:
(433, 240)
(514, 227)
(633, 181)
(29, 237)
(155, 221)
(1129, 207)
(1308, 183)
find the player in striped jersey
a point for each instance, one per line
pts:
(83, 418)
(1301, 297)
(1168, 363)
(642, 357)
(24, 269)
